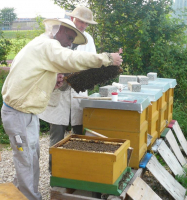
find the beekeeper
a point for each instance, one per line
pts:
(63, 108)
(27, 89)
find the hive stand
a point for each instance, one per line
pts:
(178, 132)
(135, 184)
(170, 139)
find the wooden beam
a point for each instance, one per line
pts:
(176, 190)
(180, 136)
(140, 190)
(66, 196)
(137, 173)
(175, 147)
(89, 132)
(170, 159)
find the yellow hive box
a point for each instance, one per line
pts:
(162, 122)
(153, 120)
(122, 124)
(98, 167)
(169, 110)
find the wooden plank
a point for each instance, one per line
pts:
(89, 132)
(137, 173)
(8, 192)
(180, 136)
(60, 193)
(66, 196)
(170, 159)
(175, 147)
(176, 190)
(112, 197)
(140, 190)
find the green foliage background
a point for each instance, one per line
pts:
(7, 16)
(153, 41)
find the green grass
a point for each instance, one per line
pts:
(30, 34)
(11, 56)
(12, 34)
(182, 179)
(17, 45)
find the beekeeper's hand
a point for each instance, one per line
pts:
(59, 81)
(117, 59)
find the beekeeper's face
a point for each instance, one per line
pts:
(65, 36)
(80, 24)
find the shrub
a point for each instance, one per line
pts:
(180, 114)
(182, 179)
(3, 137)
(5, 47)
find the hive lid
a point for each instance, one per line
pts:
(141, 103)
(152, 94)
(172, 82)
(164, 86)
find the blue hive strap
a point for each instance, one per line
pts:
(145, 160)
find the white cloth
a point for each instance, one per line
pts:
(62, 105)
(33, 72)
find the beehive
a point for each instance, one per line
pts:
(169, 110)
(165, 102)
(155, 97)
(92, 166)
(112, 120)
(170, 96)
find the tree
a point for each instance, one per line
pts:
(7, 16)
(152, 40)
(5, 47)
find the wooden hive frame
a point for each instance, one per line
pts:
(99, 167)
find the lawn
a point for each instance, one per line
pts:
(10, 34)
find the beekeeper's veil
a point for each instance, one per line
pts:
(52, 26)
